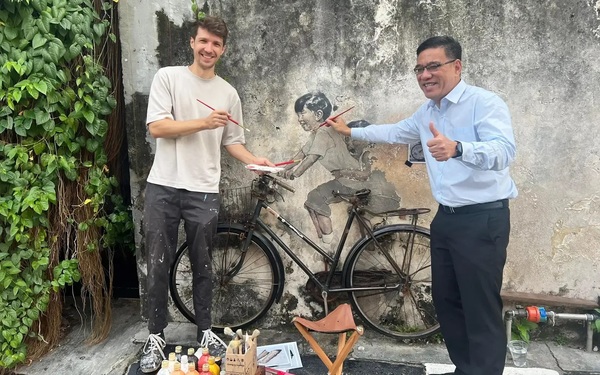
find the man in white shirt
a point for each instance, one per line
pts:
(184, 180)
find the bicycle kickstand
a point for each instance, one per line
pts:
(325, 305)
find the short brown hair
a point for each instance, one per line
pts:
(213, 25)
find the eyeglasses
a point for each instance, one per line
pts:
(433, 67)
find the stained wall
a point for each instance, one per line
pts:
(542, 58)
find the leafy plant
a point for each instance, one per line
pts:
(196, 11)
(596, 323)
(521, 328)
(560, 339)
(55, 186)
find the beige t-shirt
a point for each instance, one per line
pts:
(191, 162)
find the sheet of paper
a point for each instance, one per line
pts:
(264, 168)
(283, 356)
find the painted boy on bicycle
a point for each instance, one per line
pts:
(330, 148)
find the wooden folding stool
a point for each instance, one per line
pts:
(338, 321)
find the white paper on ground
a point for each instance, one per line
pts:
(288, 358)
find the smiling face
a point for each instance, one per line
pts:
(437, 84)
(207, 48)
(310, 120)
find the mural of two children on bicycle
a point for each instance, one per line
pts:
(348, 161)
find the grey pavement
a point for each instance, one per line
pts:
(116, 355)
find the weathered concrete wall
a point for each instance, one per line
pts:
(543, 59)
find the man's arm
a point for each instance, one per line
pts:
(241, 153)
(169, 128)
(405, 131)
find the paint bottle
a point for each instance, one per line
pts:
(205, 370)
(213, 368)
(177, 370)
(203, 358)
(184, 363)
(164, 368)
(192, 358)
(178, 350)
(172, 361)
(192, 370)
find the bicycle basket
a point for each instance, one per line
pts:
(237, 204)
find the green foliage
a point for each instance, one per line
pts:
(196, 11)
(65, 273)
(560, 339)
(521, 328)
(596, 322)
(54, 98)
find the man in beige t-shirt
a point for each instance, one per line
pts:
(184, 180)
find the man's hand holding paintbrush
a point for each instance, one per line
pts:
(338, 123)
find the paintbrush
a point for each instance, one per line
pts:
(334, 117)
(229, 117)
(287, 162)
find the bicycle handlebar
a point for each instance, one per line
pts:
(277, 181)
(283, 185)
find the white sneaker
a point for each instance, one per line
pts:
(215, 345)
(152, 353)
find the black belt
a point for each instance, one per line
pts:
(503, 203)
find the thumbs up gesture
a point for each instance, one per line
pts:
(440, 146)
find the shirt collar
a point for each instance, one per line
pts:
(454, 95)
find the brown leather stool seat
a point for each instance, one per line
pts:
(338, 321)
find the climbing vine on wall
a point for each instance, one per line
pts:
(59, 204)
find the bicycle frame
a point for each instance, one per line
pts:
(332, 261)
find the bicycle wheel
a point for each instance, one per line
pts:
(245, 284)
(405, 311)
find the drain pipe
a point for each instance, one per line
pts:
(540, 315)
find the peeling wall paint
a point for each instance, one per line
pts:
(544, 60)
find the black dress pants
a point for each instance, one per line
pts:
(468, 253)
(164, 208)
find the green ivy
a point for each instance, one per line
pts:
(54, 98)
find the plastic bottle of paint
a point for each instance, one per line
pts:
(192, 357)
(213, 368)
(164, 368)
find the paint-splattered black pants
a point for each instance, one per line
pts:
(164, 208)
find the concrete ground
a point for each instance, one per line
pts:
(373, 354)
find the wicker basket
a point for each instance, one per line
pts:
(237, 204)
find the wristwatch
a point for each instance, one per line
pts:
(458, 149)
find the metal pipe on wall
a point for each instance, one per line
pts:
(537, 314)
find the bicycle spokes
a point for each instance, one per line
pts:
(398, 303)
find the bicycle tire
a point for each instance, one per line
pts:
(237, 301)
(406, 312)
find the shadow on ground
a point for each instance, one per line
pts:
(312, 365)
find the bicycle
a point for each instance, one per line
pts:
(386, 274)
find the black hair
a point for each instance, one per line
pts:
(451, 46)
(314, 101)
